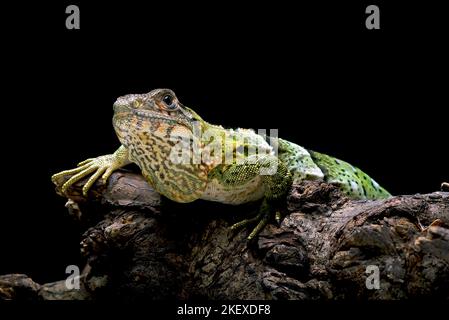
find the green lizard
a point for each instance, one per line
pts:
(185, 158)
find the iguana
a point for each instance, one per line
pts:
(185, 158)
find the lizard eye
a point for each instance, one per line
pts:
(169, 102)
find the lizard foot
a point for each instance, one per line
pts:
(263, 217)
(103, 165)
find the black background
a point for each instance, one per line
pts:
(373, 98)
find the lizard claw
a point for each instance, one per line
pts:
(245, 222)
(262, 223)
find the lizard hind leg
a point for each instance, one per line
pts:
(275, 183)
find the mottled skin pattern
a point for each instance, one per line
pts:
(150, 127)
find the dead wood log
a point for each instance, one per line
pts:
(139, 245)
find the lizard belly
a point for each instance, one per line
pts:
(234, 194)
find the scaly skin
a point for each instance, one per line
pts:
(151, 128)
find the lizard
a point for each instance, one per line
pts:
(186, 158)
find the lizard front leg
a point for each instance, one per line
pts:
(276, 182)
(100, 166)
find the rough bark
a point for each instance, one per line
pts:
(138, 245)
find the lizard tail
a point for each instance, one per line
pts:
(352, 181)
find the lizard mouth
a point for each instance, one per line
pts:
(123, 111)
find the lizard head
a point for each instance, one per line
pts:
(157, 112)
(154, 128)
